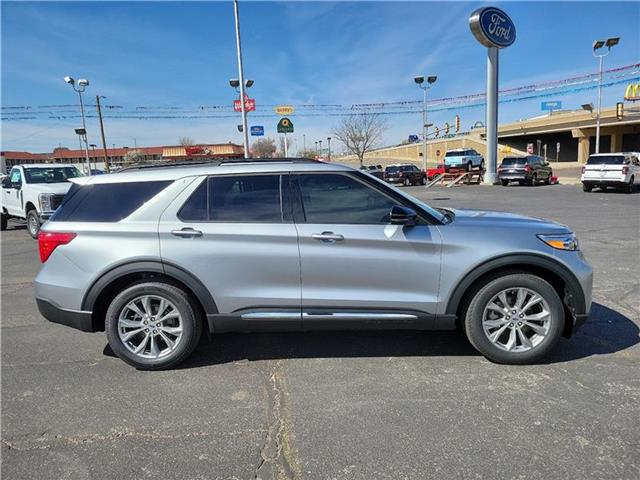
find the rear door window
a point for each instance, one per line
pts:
(106, 202)
(236, 198)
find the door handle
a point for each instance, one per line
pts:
(186, 233)
(327, 237)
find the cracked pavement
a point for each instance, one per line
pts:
(338, 405)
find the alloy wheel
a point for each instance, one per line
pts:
(517, 319)
(150, 326)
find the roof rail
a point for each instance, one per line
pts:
(213, 162)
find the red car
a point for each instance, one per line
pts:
(434, 172)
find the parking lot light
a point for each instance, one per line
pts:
(597, 45)
(82, 84)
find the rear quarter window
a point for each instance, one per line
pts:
(106, 202)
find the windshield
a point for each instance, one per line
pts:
(51, 174)
(459, 153)
(514, 161)
(608, 159)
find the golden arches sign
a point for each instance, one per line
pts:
(632, 91)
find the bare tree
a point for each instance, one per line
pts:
(263, 148)
(186, 141)
(360, 132)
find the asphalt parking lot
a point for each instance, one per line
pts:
(335, 405)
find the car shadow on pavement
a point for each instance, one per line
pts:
(607, 331)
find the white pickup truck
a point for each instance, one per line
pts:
(617, 170)
(33, 192)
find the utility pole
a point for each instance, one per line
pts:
(245, 130)
(304, 143)
(329, 146)
(104, 142)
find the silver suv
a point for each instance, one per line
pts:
(155, 256)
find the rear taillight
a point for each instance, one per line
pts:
(527, 168)
(625, 169)
(584, 169)
(49, 241)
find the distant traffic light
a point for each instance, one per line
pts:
(446, 128)
(437, 132)
(457, 123)
(619, 110)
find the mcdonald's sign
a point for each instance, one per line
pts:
(632, 91)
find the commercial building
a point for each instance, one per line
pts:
(121, 156)
(565, 136)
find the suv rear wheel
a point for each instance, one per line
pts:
(152, 325)
(630, 186)
(515, 319)
(586, 187)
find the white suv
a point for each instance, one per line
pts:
(617, 170)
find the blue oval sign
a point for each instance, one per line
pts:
(492, 27)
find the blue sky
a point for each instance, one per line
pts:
(182, 54)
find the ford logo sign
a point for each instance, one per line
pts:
(492, 27)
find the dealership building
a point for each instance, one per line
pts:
(121, 156)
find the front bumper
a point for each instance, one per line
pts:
(44, 216)
(79, 320)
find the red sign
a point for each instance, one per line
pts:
(249, 105)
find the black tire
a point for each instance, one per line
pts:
(630, 186)
(469, 166)
(534, 180)
(407, 182)
(521, 182)
(547, 181)
(3, 221)
(423, 181)
(504, 182)
(478, 338)
(191, 324)
(482, 166)
(33, 223)
(586, 187)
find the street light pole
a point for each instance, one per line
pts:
(245, 130)
(329, 146)
(82, 83)
(598, 44)
(425, 128)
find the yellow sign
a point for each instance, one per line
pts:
(632, 91)
(284, 109)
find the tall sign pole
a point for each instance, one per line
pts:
(494, 29)
(245, 130)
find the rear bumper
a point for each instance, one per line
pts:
(513, 176)
(79, 320)
(604, 183)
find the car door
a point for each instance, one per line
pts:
(12, 192)
(234, 233)
(356, 267)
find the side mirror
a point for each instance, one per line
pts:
(6, 182)
(402, 216)
(16, 185)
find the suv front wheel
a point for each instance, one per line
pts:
(515, 319)
(152, 325)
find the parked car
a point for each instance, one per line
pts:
(157, 256)
(33, 192)
(434, 172)
(617, 170)
(405, 174)
(525, 170)
(466, 158)
(375, 170)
